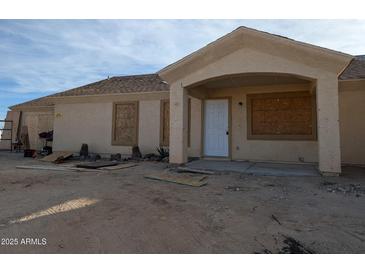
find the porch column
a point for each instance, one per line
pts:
(178, 124)
(329, 151)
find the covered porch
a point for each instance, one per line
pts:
(269, 117)
(248, 63)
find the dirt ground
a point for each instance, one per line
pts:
(122, 212)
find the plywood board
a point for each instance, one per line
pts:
(56, 156)
(119, 166)
(165, 123)
(125, 123)
(38, 167)
(95, 165)
(45, 122)
(281, 114)
(57, 168)
(195, 170)
(31, 121)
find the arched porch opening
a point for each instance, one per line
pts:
(276, 117)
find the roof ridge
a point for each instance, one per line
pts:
(134, 75)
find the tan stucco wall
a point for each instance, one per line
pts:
(259, 150)
(91, 123)
(321, 67)
(352, 122)
(149, 126)
(195, 128)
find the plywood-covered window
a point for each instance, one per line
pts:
(165, 123)
(125, 124)
(281, 116)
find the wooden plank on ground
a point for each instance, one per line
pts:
(57, 168)
(53, 168)
(184, 179)
(57, 156)
(194, 170)
(119, 166)
(95, 165)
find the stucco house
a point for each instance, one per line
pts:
(249, 95)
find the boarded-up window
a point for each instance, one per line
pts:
(125, 124)
(281, 116)
(165, 123)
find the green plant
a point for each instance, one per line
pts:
(162, 152)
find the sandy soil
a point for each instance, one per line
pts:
(122, 212)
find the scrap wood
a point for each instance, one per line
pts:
(119, 166)
(54, 168)
(84, 169)
(95, 165)
(189, 180)
(194, 170)
(57, 156)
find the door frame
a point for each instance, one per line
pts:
(202, 154)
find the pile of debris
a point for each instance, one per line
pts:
(355, 189)
(94, 161)
(162, 156)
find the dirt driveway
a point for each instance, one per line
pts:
(122, 212)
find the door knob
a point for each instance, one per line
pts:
(227, 132)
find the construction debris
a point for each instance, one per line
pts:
(151, 157)
(119, 166)
(84, 152)
(31, 153)
(355, 189)
(193, 170)
(116, 157)
(184, 179)
(54, 168)
(94, 157)
(136, 153)
(95, 165)
(57, 157)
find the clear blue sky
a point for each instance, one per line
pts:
(40, 57)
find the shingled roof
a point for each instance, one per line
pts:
(355, 70)
(154, 83)
(113, 85)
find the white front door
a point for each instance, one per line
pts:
(216, 128)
